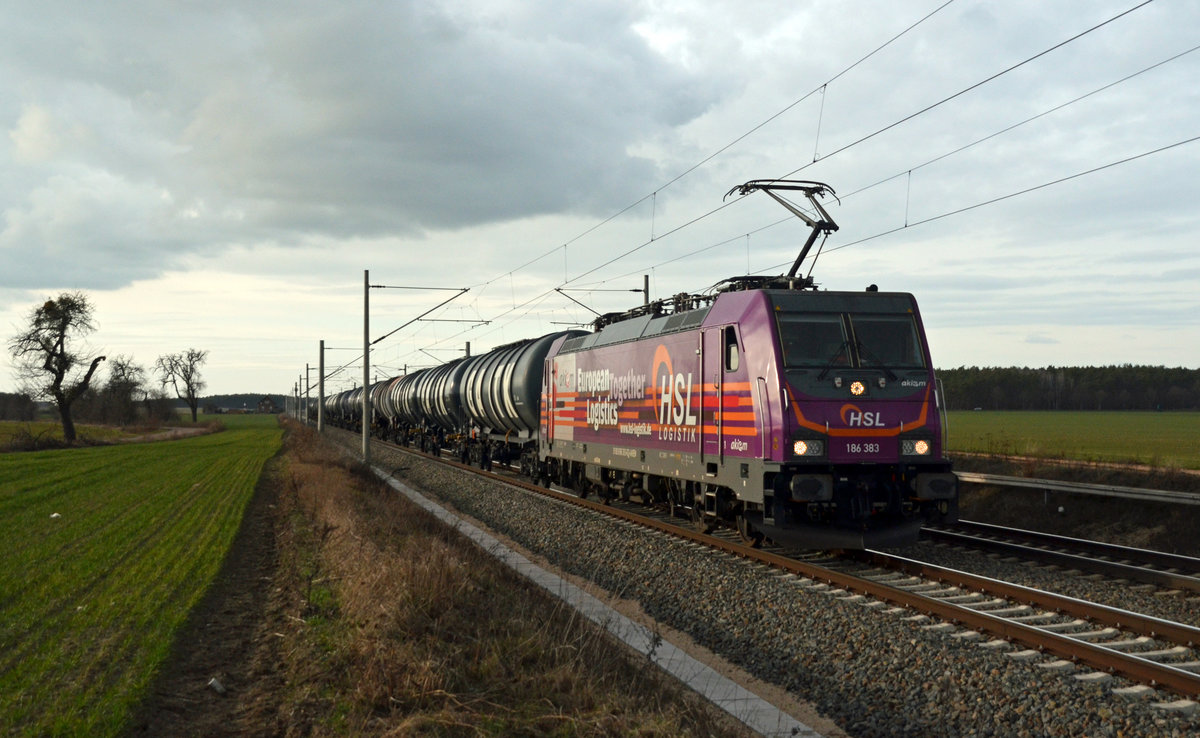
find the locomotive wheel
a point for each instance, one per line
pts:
(603, 492)
(750, 535)
(626, 491)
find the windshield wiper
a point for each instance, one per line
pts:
(864, 351)
(832, 359)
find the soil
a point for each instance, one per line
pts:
(227, 640)
(169, 434)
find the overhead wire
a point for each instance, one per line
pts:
(892, 125)
(732, 143)
(1030, 119)
(1024, 191)
(815, 90)
(969, 88)
(570, 280)
(909, 170)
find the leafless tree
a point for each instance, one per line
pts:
(182, 372)
(48, 360)
(123, 392)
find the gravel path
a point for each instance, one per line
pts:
(873, 673)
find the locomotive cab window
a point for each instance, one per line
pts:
(732, 353)
(813, 340)
(889, 341)
(833, 340)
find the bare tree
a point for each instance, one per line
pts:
(182, 371)
(48, 362)
(123, 392)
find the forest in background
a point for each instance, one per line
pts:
(124, 408)
(244, 402)
(1125, 387)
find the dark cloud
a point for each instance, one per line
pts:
(285, 121)
(418, 118)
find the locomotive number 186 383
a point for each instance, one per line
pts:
(862, 448)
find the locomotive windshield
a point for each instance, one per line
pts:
(813, 339)
(887, 340)
(831, 340)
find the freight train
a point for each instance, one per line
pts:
(810, 417)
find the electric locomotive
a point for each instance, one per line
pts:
(810, 417)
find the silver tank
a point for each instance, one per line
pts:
(377, 391)
(501, 390)
(402, 398)
(438, 395)
(385, 403)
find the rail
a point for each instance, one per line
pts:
(1073, 553)
(1102, 490)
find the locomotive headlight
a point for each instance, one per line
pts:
(857, 388)
(915, 447)
(808, 448)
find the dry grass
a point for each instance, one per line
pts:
(406, 629)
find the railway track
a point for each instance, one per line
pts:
(1059, 633)
(1171, 572)
(1154, 652)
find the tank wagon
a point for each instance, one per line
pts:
(810, 417)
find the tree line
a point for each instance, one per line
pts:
(53, 363)
(1124, 387)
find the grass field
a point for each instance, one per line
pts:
(51, 430)
(1158, 439)
(47, 432)
(91, 599)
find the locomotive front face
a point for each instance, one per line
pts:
(862, 429)
(860, 389)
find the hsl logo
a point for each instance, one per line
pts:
(854, 417)
(674, 392)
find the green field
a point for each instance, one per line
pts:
(91, 600)
(1170, 439)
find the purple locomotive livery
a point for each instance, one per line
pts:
(810, 417)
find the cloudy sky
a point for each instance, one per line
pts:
(219, 175)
